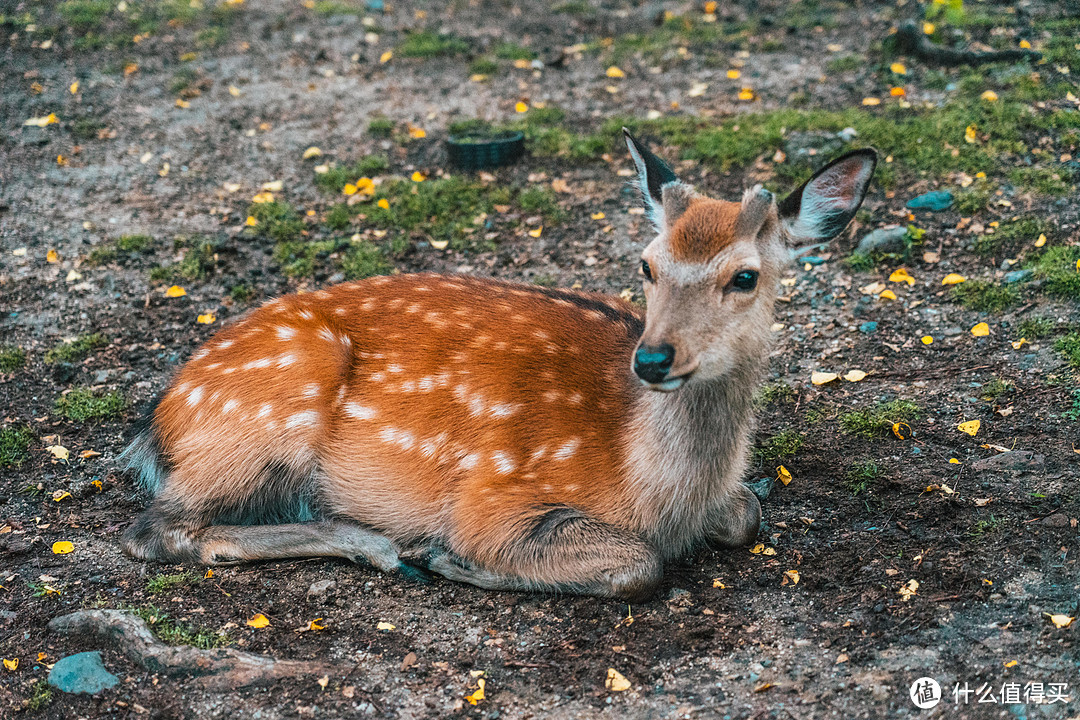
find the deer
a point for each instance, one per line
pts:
(509, 436)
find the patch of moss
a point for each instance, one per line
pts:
(335, 179)
(12, 359)
(783, 444)
(173, 632)
(1012, 235)
(336, 7)
(1042, 180)
(541, 200)
(1036, 328)
(1058, 269)
(483, 66)
(198, 263)
(41, 696)
(878, 420)
(364, 259)
(86, 128)
(777, 392)
(83, 404)
(124, 248)
(15, 442)
(512, 51)
(242, 292)
(1069, 347)
(276, 220)
(339, 217)
(76, 349)
(161, 582)
(845, 63)
(425, 44)
(995, 388)
(299, 258)
(380, 127)
(861, 475)
(985, 296)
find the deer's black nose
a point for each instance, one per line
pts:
(651, 363)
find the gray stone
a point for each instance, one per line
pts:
(1056, 520)
(82, 673)
(320, 589)
(886, 239)
(762, 487)
(1017, 461)
(1018, 276)
(935, 201)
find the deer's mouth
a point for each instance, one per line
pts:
(670, 384)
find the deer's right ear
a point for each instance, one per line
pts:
(665, 197)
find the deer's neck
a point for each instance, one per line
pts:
(687, 450)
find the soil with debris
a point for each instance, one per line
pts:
(887, 558)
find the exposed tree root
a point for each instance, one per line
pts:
(911, 40)
(219, 669)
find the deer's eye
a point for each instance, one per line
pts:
(646, 270)
(745, 281)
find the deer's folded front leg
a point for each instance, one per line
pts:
(737, 519)
(554, 549)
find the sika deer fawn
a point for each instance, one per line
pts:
(509, 436)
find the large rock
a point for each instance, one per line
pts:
(82, 673)
(886, 239)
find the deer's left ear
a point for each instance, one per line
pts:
(824, 205)
(666, 198)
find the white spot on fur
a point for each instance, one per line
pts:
(311, 390)
(567, 449)
(225, 344)
(286, 360)
(551, 395)
(284, 332)
(229, 406)
(575, 399)
(213, 366)
(503, 409)
(265, 410)
(260, 363)
(306, 418)
(325, 334)
(469, 461)
(199, 355)
(426, 384)
(394, 368)
(476, 406)
(305, 314)
(377, 377)
(194, 396)
(538, 453)
(358, 411)
(503, 462)
(402, 438)
(340, 311)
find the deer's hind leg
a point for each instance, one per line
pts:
(562, 550)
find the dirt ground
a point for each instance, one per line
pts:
(912, 559)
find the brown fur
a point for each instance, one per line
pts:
(704, 229)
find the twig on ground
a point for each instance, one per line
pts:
(218, 669)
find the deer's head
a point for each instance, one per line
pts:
(711, 274)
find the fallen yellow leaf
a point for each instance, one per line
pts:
(273, 186)
(312, 152)
(783, 475)
(821, 378)
(887, 295)
(928, 28)
(792, 575)
(42, 121)
(74, 87)
(989, 96)
(953, 279)
(970, 427)
(854, 375)
(175, 291)
(616, 681)
(182, 104)
(898, 68)
(897, 92)
(383, 203)
(598, 216)
(263, 197)
(251, 221)
(385, 626)
(981, 330)
(1025, 44)
(909, 589)
(60, 495)
(615, 72)
(63, 547)
(898, 429)
(901, 275)
(479, 694)
(417, 133)
(927, 339)
(385, 57)
(1018, 343)
(536, 232)
(717, 584)
(746, 94)
(970, 133)
(11, 665)
(440, 244)
(349, 189)
(1060, 620)
(206, 319)
(418, 176)
(1041, 240)
(59, 452)
(871, 101)
(314, 625)
(756, 550)
(258, 620)
(52, 257)
(734, 74)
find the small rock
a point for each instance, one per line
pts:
(848, 134)
(101, 377)
(868, 327)
(320, 589)
(1056, 520)
(1019, 276)
(813, 260)
(82, 673)
(762, 487)
(1017, 461)
(935, 201)
(886, 239)
(7, 617)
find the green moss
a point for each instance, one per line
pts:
(541, 200)
(339, 217)
(76, 349)
(973, 199)
(198, 263)
(380, 127)
(544, 280)
(861, 475)
(299, 258)
(12, 359)
(1057, 267)
(41, 696)
(985, 296)
(364, 259)
(986, 526)
(878, 420)
(336, 7)
(1042, 180)
(173, 632)
(276, 220)
(83, 404)
(161, 582)
(425, 44)
(512, 51)
(483, 66)
(83, 15)
(125, 247)
(996, 388)
(1013, 235)
(845, 63)
(15, 442)
(1069, 347)
(335, 179)
(1036, 328)
(86, 128)
(242, 292)
(134, 243)
(777, 392)
(784, 444)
